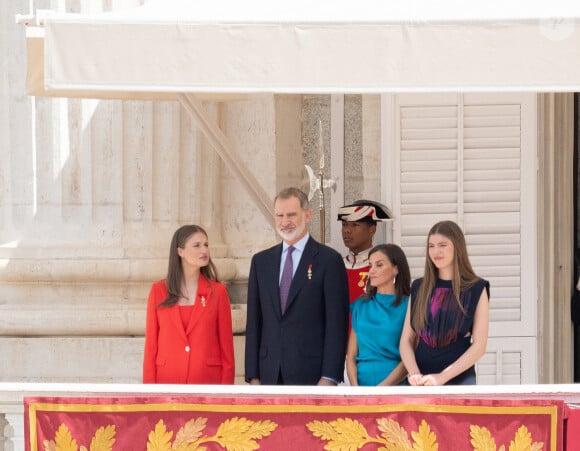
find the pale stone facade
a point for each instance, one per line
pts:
(92, 191)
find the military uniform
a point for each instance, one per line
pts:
(357, 270)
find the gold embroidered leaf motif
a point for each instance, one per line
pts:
(189, 433)
(395, 447)
(343, 434)
(481, 439)
(259, 429)
(425, 440)
(238, 434)
(63, 440)
(104, 439)
(523, 441)
(395, 435)
(49, 445)
(321, 429)
(188, 447)
(159, 439)
(350, 435)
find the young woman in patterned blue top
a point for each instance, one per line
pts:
(448, 314)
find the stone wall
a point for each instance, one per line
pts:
(92, 191)
(90, 195)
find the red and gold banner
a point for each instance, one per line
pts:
(290, 422)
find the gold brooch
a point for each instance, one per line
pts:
(203, 301)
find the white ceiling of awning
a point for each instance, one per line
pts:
(228, 46)
(340, 11)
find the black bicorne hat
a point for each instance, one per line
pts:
(364, 211)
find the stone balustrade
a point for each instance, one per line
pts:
(83, 322)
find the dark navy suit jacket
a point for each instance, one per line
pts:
(309, 340)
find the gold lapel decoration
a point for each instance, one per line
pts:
(309, 273)
(363, 279)
(203, 301)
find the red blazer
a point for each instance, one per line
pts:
(201, 354)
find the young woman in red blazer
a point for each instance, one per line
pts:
(188, 334)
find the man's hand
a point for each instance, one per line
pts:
(255, 381)
(326, 382)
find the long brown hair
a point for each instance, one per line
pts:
(463, 274)
(175, 271)
(403, 280)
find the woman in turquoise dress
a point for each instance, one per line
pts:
(373, 356)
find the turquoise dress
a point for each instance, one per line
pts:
(378, 326)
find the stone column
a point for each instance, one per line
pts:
(555, 245)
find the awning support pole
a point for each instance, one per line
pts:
(220, 143)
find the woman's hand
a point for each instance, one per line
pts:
(415, 379)
(432, 380)
(426, 379)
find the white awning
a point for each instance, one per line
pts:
(227, 46)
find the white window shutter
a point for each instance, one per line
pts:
(470, 158)
(510, 361)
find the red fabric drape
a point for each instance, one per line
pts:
(290, 422)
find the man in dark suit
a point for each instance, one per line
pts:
(296, 329)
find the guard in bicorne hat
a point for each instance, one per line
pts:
(359, 225)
